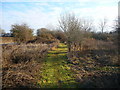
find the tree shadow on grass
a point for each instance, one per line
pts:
(101, 80)
(104, 80)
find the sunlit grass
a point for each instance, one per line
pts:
(108, 68)
(56, 73)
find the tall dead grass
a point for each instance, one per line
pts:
(97, 65)
(4, 40)
(21, 64)
(92, 44)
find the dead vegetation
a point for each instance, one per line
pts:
(4, 40)
(97, 66)
(21, 64)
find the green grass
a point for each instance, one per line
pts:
(108, 68)
(56, 72)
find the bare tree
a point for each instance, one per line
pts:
(103, 24)
(74, 29)
(86, 24)
(71, 26)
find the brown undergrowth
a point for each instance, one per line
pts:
(4, 40)
(21, 64)
(96, 68)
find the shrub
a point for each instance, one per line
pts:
(21, 33)
(28, 52)
(21, 65)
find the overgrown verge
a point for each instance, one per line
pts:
(21, 64)
(4, 40)
(96, 68)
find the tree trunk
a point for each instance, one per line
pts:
(80, 47)
(69, 47)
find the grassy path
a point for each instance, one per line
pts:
(56, 73)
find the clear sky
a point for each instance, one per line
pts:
(45, 13)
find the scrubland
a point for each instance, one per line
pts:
(34, 66)
(74, 56)
(4, 40)
(96, 67)
(21, 63)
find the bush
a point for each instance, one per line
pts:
(21, 65)
(28, 52)
(21, 75)
(100, 36)
(17, 80)
(21, 33)
(43, 40)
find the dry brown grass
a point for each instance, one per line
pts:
(93, 44)
(4, 40)
(21, 64)
(96, 66)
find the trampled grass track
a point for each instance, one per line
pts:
(55, 72)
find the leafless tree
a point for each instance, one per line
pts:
(86, 24)
(70, 25)
(74, 29)
(103, 24)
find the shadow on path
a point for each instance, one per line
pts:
(56, 73)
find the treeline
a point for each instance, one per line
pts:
(72, 30)
(22, 33)
(77, 30)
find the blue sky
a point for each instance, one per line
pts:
(45, 13)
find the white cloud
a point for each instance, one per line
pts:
(37, 18)
(110, 13)
(98, 13)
